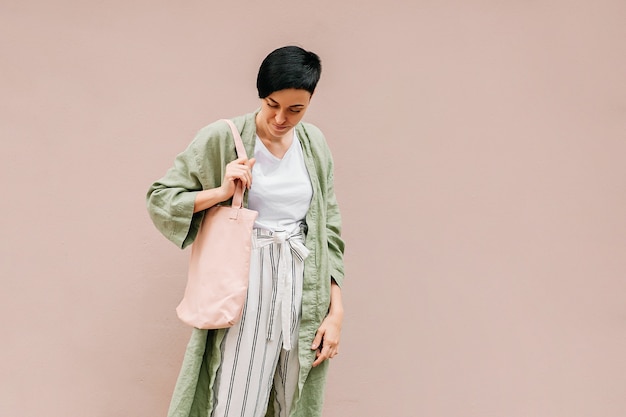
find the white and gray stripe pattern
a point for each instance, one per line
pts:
(256, 351)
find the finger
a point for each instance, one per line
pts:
(249, 176)
(317, 341)
(327, 350)
(250, 164)
(323, 355)
(233, 169)
(319, 360)
(333, 352)
(240, 172)
(238, 161)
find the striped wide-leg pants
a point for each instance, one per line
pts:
(260, 352)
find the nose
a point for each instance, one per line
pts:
(280, 117)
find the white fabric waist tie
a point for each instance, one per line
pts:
(287, 242)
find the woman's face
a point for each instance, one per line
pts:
(280, 112)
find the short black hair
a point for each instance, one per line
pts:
(288, 67)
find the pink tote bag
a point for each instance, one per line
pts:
(217, 280)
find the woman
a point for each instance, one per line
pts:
(273, 362)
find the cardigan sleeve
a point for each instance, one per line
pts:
(336, 244)
(171, 199)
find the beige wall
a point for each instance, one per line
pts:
(480, 166)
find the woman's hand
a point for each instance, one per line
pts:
(326, 341)
(240, 169)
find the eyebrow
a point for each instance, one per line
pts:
(293, 105)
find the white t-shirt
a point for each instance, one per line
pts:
(281, 188)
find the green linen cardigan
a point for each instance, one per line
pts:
(170, 202)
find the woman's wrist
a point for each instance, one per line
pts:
(336, 305)
(208, 198)
(336, 313)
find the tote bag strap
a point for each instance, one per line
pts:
(241, 153)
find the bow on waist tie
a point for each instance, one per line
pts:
(287, 242)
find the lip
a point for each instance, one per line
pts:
(280, 128)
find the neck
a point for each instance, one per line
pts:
(278, 146)
(267, 138)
